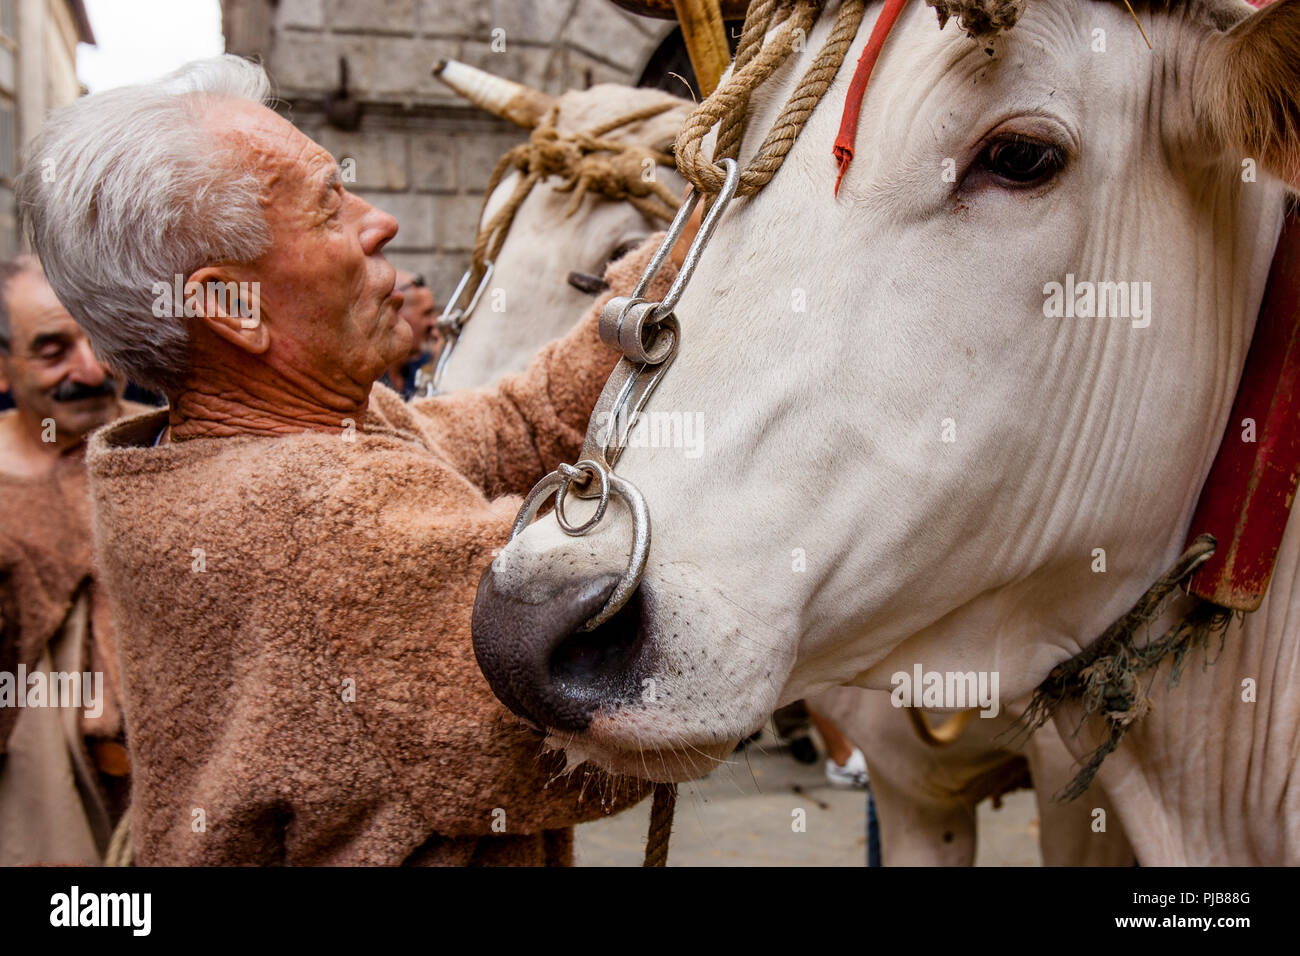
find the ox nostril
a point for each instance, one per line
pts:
(534, 661)
(594, 664)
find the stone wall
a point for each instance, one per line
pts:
(420, 152)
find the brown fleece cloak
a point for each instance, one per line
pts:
(294, 628)
(53, 805)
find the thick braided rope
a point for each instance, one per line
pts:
(759, 18)
(733, 97)
(573, 156)
(661, 824)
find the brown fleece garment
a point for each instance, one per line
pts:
(337, 561)
(46, 557)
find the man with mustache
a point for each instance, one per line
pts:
(421, 313)
(63, 772)
(294, 549)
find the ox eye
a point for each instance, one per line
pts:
(1021, 160)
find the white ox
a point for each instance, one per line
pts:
(926, 797)
(530, 299)
(925, 302)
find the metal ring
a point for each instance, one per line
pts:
(592, 467)
(532, 502)
(664, 342)
(627, 584)
(702, 237)
(612, 317)
(640, 329)
(631, 576)
(453, 318)
(444, 357)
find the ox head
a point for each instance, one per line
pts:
(913, 449)
(531, 299)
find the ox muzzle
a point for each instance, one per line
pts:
(540, 663)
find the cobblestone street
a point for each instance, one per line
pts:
(741, 814)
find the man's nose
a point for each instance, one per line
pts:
(377, 228)
(86, 369)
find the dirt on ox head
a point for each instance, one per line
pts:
(917, 433)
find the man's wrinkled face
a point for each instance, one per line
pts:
(419, 311)
(50, 370)
(326, 291)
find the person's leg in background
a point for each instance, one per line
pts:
(845, 764)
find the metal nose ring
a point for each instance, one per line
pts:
(560, 480)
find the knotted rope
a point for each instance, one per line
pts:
(755, 62)
(588, 162)
(1106, 676)
(661, 824)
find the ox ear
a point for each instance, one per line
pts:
(1249, 89)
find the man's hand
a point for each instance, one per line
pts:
(678, 255)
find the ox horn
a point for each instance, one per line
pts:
(522, 105)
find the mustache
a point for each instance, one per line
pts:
(70, 391)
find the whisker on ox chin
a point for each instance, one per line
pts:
(640, 749)
(712, 762)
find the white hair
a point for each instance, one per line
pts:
(128, 188)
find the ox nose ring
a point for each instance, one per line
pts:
(648, 334)
(568, 476)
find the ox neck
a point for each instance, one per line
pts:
(1206, 777)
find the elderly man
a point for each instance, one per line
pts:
(63, 764)
(420, 312)
(295, 549)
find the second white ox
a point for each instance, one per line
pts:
(530, 298)
(925, 320)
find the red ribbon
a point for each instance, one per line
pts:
(853, 102)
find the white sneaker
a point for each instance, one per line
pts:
(852, 775)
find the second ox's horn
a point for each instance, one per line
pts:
(522, 105)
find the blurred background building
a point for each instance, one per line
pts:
(38, 72)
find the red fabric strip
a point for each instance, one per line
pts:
(853, 102)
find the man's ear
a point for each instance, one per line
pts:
(230, 308)
(4, 372)
(1248, 89)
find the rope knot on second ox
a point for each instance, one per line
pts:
(586, 161)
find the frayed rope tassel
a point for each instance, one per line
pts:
(1106, 677)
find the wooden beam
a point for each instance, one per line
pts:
(706, 40)
(663, 9)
